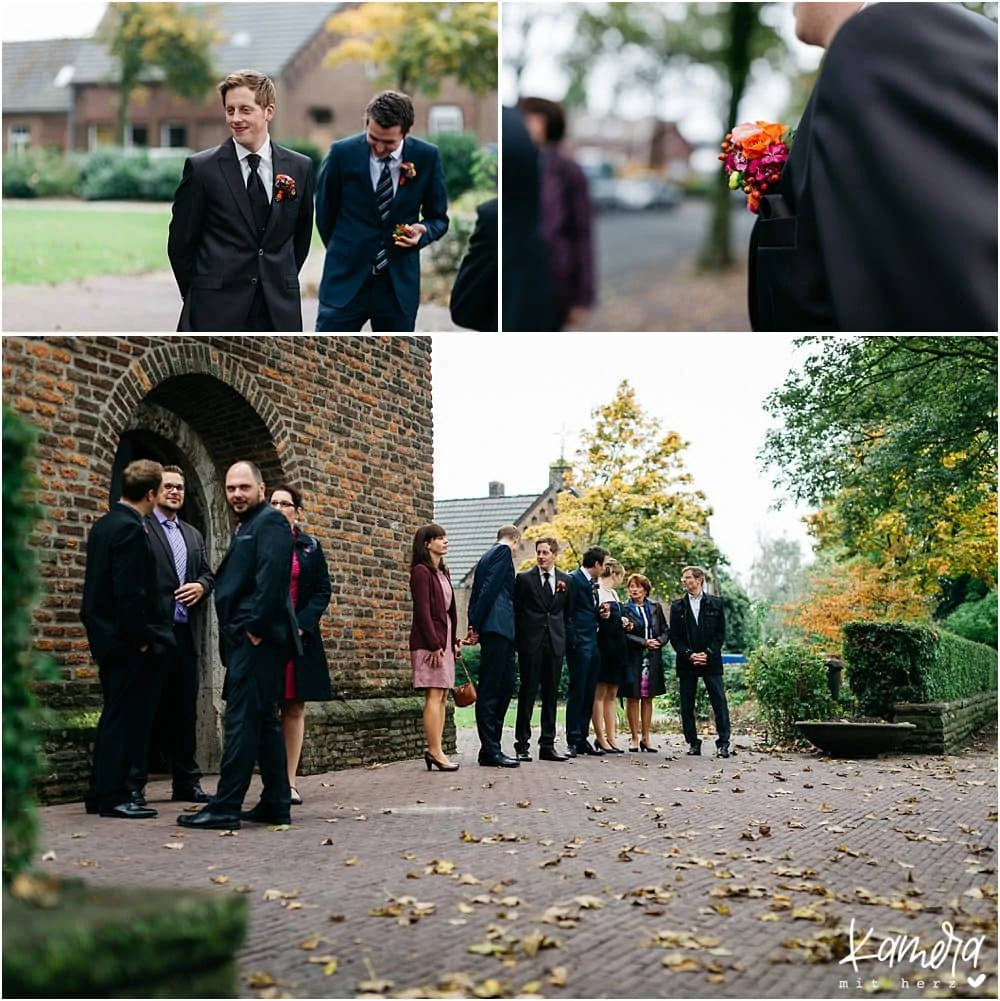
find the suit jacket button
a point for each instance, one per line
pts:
(260, 253)
(253, 281)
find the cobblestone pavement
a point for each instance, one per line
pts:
(634, 875)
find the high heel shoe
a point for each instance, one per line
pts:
(643, 746)
(610, 748)
(442, 766)
(633, 750)
(296, 798)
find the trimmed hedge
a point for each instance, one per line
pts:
(890, 662)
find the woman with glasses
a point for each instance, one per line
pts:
(646, 639)
(307, 676)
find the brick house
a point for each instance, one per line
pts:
(472, 523)
(62, 92)
(348, 419)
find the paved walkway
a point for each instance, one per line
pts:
(636, 875)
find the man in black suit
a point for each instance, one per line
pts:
(474, 294)
(528, 302)
(380, 200)
(697, 632)
(885, 217)
(491, 624)
(185, 580)
(242, 221)
(257, 636)
(127, 630)
(582, 656)
(541, 609)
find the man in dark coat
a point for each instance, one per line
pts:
(242, 221)
(885, 217)
(370, 184)
(257, 635)
(541, 608)
(475, 295)
(127, 630)
(582, 656)
(185, 580)
(697, 632)
(491, 624)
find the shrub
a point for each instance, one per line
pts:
(976, 620)
(458, 153)
(113, 175)
(39, 173)
(789, 681)
(733, 679)
(307, 148)
(22, 665)
(890, 662)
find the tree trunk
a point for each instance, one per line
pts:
(124, 95)
(743, 20)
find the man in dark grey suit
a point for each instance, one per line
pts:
(126, 630)
(185, 580)
(257, 636)
(491, 623)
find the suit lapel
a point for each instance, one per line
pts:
(229, 164)
(160, 535)
(280, 164)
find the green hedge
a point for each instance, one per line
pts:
(890, 662)
(39, 173)
(789, 681)
(112, 175)
(976, 620)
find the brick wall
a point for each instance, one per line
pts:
(347, 419)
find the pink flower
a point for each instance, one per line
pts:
(284, 187)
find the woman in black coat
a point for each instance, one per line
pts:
(646, 640)
(307, 676)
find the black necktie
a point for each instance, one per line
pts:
(547, 585)
(595, 585)
(257, 193)
(383, 199)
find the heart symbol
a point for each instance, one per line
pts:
(976, 981)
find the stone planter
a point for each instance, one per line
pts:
(854, 739)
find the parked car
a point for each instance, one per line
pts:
(608, 192)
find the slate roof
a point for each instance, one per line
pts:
(472, 523)
(262, 36)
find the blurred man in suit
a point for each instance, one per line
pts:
(491, 624)
(127, 630)
(257, 635)
(582, 656)
(697, 632)
(475, 295)
(185, 580)
(885, 216)
(242, 221)
(380, 199)
(541, 607)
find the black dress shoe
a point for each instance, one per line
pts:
(570, 752)
(587, 748)
(129, 811)
(694, 749)
(503, 761)
(138, 797)
(190, 794)
(722, 750)
(524, 755)
(551, 754)
(209, 820)
(261, 814)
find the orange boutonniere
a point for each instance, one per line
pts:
(560, 586)
(754, 155)
(406, 171)
(284, 187)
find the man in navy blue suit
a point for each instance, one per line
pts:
(380, 199)
(491, 624)
(582, 658)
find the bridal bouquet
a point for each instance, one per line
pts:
(754, 155)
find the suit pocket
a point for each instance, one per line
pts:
(206, 281)
(778, 233)
(292, 281)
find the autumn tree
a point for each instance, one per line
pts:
(631, 494)
(414, 46)
(166, 39)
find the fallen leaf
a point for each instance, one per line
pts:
(221, 880)
(175, 845)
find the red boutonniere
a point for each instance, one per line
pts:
(560, 586)
(754, 155)
(406, 171)
(284, 187)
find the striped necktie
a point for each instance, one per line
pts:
(179, 549)
(383, 199)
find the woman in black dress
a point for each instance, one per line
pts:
(614, 656)
(307, 676)
(645, 642)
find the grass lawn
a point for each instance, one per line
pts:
(466, 718)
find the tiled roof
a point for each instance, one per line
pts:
(261, 36)
(472, 523)
(30, 70)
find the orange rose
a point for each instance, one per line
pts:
(756, 143)
(774, 129)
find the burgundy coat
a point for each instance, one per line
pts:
(430, 615)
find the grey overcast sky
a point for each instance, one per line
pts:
(23, 22)
(504, 404)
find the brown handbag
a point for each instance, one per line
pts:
(464, 694)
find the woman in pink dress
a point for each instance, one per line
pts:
(433, 645)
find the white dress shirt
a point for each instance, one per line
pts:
(375, 167)
(695, 605)
(265, 169)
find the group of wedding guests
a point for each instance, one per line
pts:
(526, 623)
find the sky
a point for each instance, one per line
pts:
(22, 22)
(505, 404)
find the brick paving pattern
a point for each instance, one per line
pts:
(635, 875)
